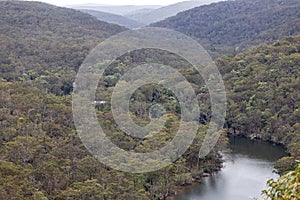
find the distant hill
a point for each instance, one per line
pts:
(142, 11)
(159, 14)
(113, 18)
(118, 10)
(236, 25)
(45, 43)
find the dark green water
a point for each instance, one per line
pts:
(246, 170)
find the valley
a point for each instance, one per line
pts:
(254, 43)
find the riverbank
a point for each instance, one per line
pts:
(250, 161)
(281, 165)
(195, 178)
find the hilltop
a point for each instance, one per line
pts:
(47, 44)
(230, 26)
(164, 12)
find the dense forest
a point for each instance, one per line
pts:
(41, 49)
(42, 156)
(230, 26)
(47, 44)
(164, 12)
(263, 87)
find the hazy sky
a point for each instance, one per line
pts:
(113, 2)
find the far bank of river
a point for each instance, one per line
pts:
(246, 170)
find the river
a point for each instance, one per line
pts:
(246, 169)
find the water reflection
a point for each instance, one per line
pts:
(246, 170)
(256, 149)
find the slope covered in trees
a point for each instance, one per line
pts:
(41, 155)
(263, 87)
(164, 12)
(234, 25)
(47, 44)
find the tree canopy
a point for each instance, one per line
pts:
(230, 26)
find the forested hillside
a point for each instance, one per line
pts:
(263, 87)
(41, 155)
(46, 44)
(230, 26)
(41, 49)
(164, 12)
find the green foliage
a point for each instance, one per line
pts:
(45, 45)
(286, 187)
(263, 91)
(285, 164)
(42, 157)
(230, 26)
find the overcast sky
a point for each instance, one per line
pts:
(112, 2)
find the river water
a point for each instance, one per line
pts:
(246, 169)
